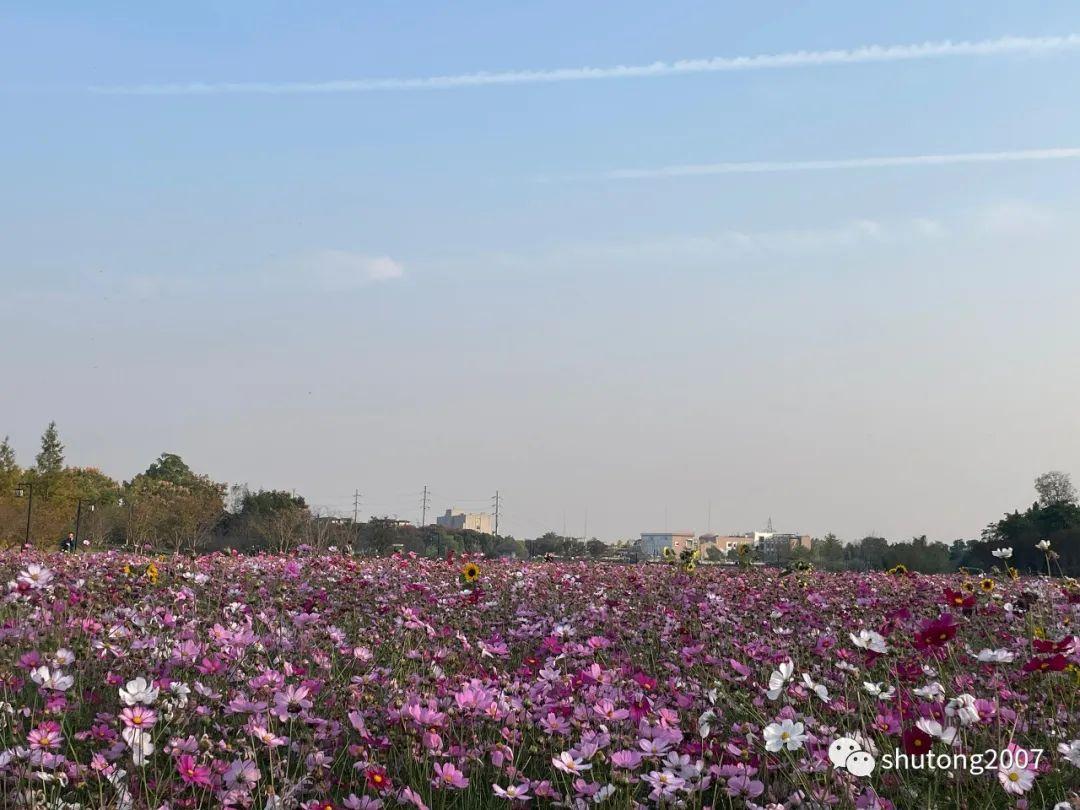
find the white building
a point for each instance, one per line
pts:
(458, 521)
(652, 544)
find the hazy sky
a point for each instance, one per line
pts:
(305, 246)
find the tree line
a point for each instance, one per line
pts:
(169, 507)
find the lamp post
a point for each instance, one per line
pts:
(78, 518)
(26, 489)
(122, 502)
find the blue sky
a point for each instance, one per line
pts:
(453, 287)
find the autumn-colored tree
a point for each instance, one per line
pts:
(173, 506)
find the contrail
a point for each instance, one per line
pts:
(794, 59)
(755, 167)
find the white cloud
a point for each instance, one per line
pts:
(341, 270)
(792, 59)
(758, 167)
(1015, 218)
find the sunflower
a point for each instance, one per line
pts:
(471, 572)
(152, 573)
(898, 570)
(987, 585)
(1013, 573)
(669, 553)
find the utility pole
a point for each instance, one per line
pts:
(423, 508)
(496, 513)
(356, 507)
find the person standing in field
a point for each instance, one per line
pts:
(67, 545)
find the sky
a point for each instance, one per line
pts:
(637, 266)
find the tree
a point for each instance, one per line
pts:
(9, 469)
(275, 517)
(597, 548)
(170, 503)
(170, 467)
(1055, 487)
(51, 458)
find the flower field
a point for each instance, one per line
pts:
(336, 682)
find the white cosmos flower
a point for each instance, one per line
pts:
(879, 690)
(141, 746)
(817, 688)
(1002, 553)
(779, 679)
(869, 640)
(932, 691)
(963, 707)
(784, 734)
(52, 679)
(935, 729)
(1071, 751)
(138, 691)
(705, 722)
(64, 657)
(180, 691)
(1043, 545)
(34, 577)
(988, 656)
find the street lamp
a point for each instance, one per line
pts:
(122, 502)
(78, 518)
(26, 490)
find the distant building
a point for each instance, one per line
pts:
(724, 542)
(459, 521)
(652, 544)
(775, 543)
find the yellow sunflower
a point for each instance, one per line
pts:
(898, 570)
(471, 572)
(987, 585)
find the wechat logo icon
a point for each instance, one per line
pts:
(847, 754)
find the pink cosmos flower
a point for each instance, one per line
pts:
(514, 793)
(46, 737)
(191, 772)
(448, 775)
(138, 717)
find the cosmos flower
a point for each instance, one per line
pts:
(879, 690)
(785, 734)
(1014, 778)
(192, 772)
(53, 680)
(34, 577)
(567, 763)
(1071, 751)
(779, 679)
(869, 640)
(519, 793)
(138, 690)
(448, 775)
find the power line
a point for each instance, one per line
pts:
(356, 506)
(424, 508)
(496, 513)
